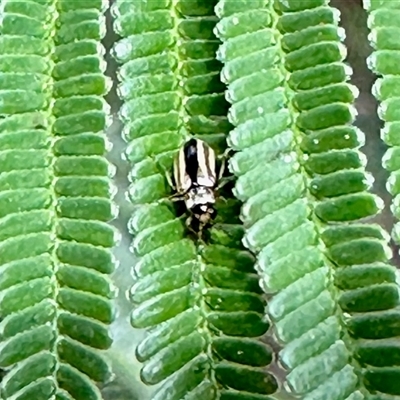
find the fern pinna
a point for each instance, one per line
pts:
(269, 76)
(300, 176)
(54, 201)
(201, 303)
(385, 27)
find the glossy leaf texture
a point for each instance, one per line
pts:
(384, 25)
(200, 302)
(55, 301)
(302, 179)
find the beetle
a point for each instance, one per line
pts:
(195, 176)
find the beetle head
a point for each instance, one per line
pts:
(201, 217)
(204, 213)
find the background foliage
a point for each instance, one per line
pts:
(355, 21)
(320, 361)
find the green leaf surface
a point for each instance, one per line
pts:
(186, 293)
(384, 28)
(296, 159)
(54, 303)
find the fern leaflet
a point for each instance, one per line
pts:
(55, 201)
(382, 355)
(292, 113)
(202, 303)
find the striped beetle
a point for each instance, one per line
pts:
(196, 181)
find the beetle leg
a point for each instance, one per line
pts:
(190, 228)
(225, 180)
(222, 169)
(166, 172)
(176, 197)
(222, 181)
(188, 224)
(225, 154)
(169, 180)
(224, 158)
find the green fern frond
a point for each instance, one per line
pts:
(296, 160)
(276, 212)
(55, 200)
(202, 304)
(382, 355)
